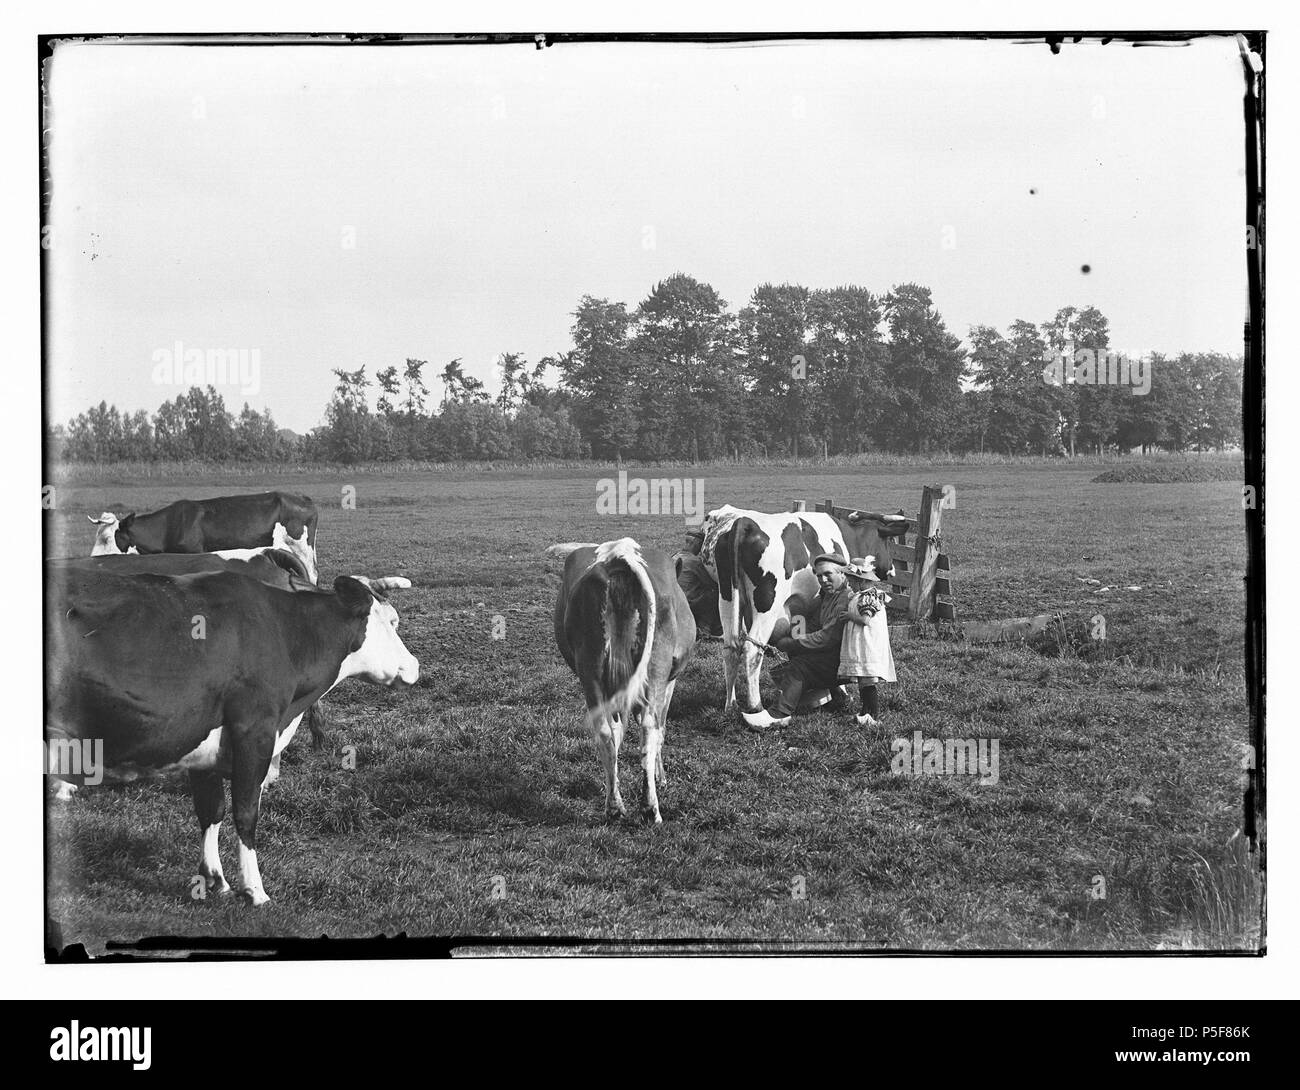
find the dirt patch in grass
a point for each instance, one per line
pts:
(1172, 473)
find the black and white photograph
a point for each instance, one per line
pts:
(584, 494)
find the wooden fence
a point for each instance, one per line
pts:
(922, 583)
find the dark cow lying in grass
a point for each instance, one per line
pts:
(624, 627)
(280, 519)
(271, 565)
(210, 673)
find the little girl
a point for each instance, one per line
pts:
(865, 654)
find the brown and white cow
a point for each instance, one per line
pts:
(126, 667)
(625, 628)
(763, 566)
(271, 565)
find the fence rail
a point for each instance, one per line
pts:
(918, 592)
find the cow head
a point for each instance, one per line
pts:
(868, 536)
(113, 535)
(379, 654)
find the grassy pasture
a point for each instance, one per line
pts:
(475, 807)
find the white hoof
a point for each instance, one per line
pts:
(217, 883)
(865, 720)
(63, 791)
(761, 720)
(256, 897)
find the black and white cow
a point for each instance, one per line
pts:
(763, 565)
(625, 628)
(280, 519)
(210, 673)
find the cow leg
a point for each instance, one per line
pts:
(606, 733)
(652, 735)
(731, 657)
(281, 743)
(251, 757)
(754, 714)
(306, 554)
(209, 791)
(272, 772)
(663, 729)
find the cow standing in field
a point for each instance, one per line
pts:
(763, 567)
(273, 566)
(625, 628)
(280, 519)
(210, 673)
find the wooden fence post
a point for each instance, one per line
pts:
(920, 603)
(798, 505)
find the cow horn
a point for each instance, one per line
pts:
(389, 582)
(561, 550)
(93, 519)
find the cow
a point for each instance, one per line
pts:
(280, 519)
(269, 564)
(763, 567)
(626, 630)
(274, 566)
(209, 673)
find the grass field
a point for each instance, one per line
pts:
(475, 807)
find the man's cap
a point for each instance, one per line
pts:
(829, 558)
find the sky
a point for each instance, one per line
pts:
(344, 206)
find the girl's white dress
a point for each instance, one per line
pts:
(864, 649)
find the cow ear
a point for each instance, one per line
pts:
(354, 594)
(896, 527)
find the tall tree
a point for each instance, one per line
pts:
(416, 391)
(848, 364)
(927, 364)
(600, 371)
(1090, 409)
(388, 390)
(349, 432)
(773, 333)
(453, 381)
(685, 347)
(514, 378)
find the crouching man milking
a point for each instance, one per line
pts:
(814, 657)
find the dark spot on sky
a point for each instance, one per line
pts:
(1033, 192)
(1085, 269)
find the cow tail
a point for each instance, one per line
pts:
(629, 622)
(740, 590)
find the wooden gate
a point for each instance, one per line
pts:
(922, 582)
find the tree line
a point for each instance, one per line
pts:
(795, 372)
